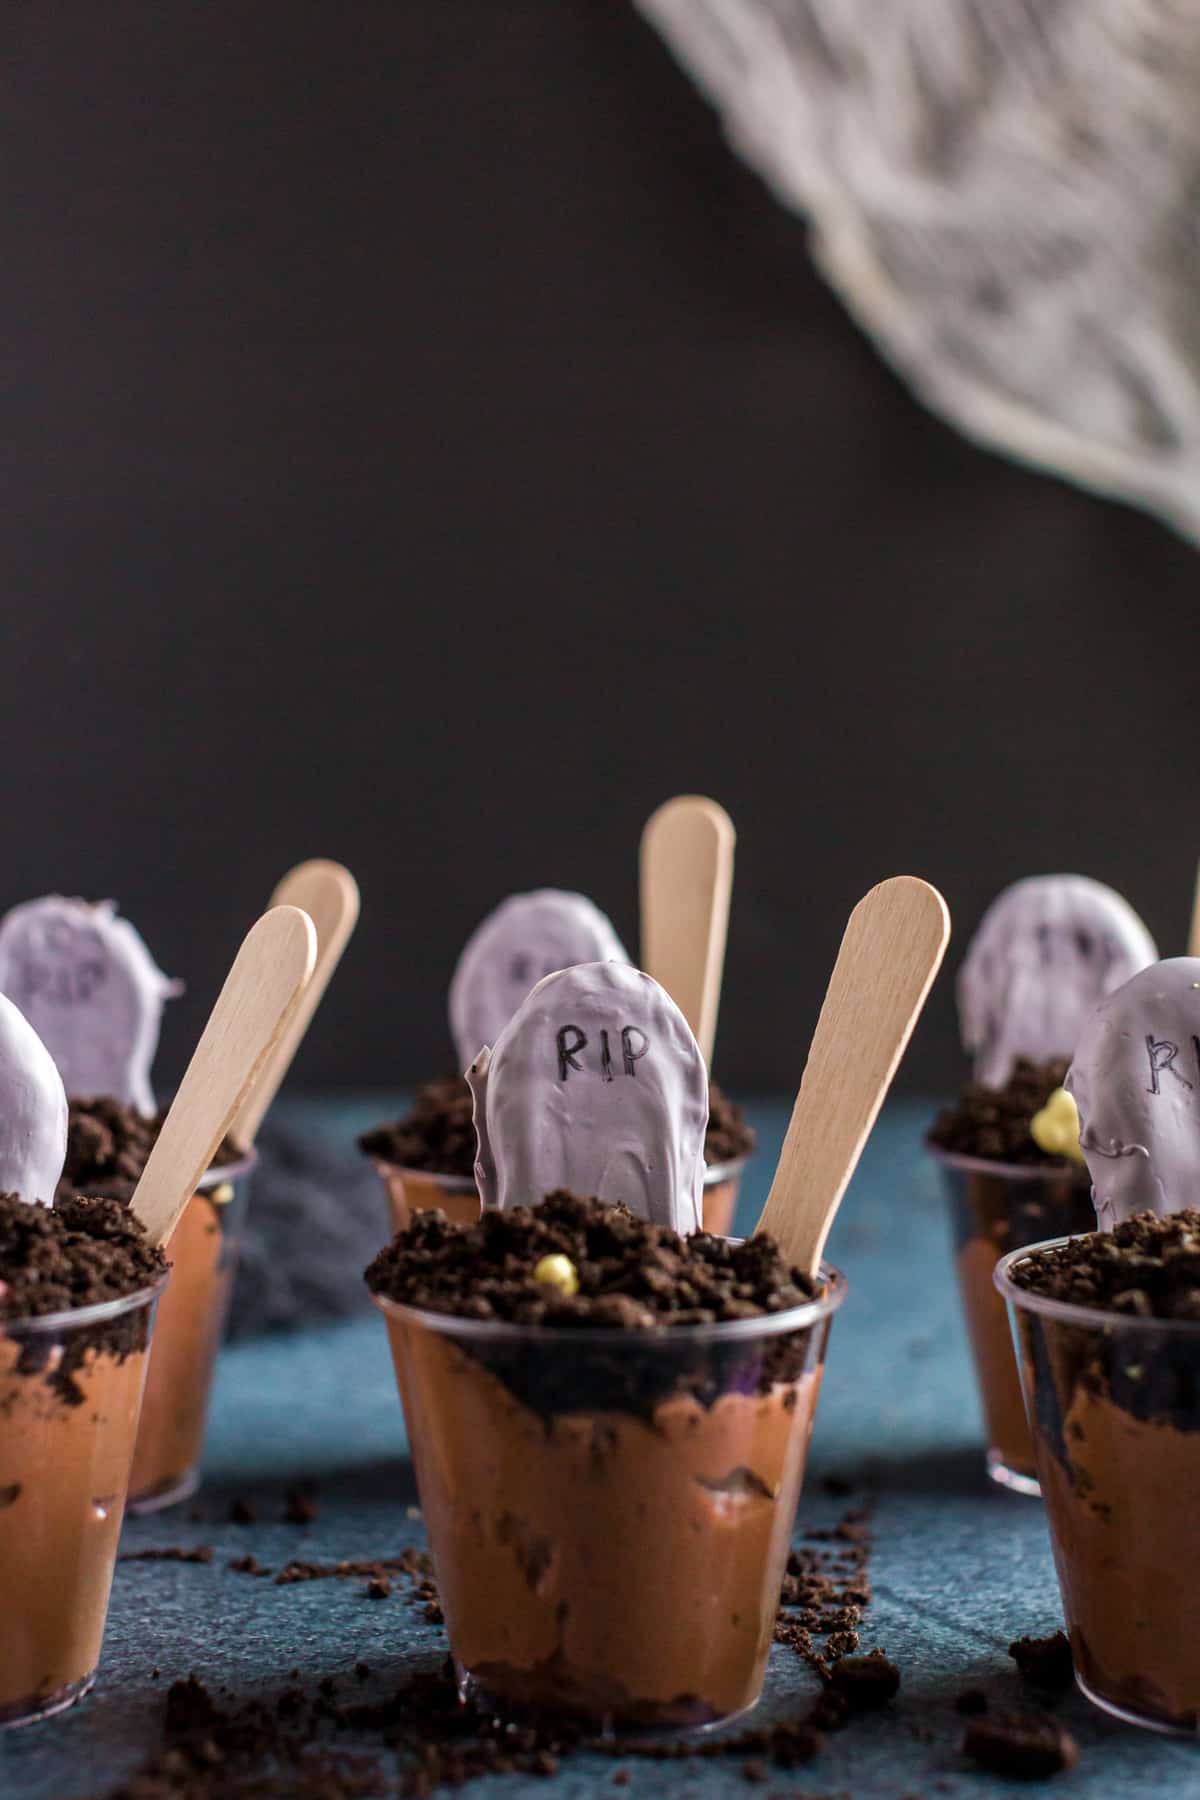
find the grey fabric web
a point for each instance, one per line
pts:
(1004, 193)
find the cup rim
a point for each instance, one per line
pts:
(216, 1173)
(82, 1318)
(714, 1174)
(1006, 1171)
(656, 1337)
(1070, 1312)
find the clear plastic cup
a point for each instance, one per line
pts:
(610, 1511)
(411, 1191)
(994, 1208)
(69, 1401)
(204, 1253)
(1114, 1406)
(722, 1184)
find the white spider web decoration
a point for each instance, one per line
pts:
(1006, 195)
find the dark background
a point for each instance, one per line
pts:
(425, 445)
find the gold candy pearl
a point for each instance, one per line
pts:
(1056, 1128)
(559, 1272)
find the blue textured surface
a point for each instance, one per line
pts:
(959, 1568)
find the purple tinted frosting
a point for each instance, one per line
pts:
(526, 937)
(1136, 1082)
(598, 1085)
(1047, 950)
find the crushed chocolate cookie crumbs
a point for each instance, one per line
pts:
(175, 1553)
(438, 1134)
(1044, 1662)
(865, 1682)
(243, 1512)
(249, 1565)
(1147, 1267)
(78, 1253)
(301, 1507)
(631, 1274)
(109, 1144)
(993, 1123)
(1031, 1746)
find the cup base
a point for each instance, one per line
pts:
(1012, 1479)
(676, 1722)
(44, 1706)
(1127, 1716)
(168, 1493)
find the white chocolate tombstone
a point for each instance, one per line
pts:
(91, 990)
(598, 1085)
(526, 937)
(1136, 1082)
(1047, 950)
(33, 1111)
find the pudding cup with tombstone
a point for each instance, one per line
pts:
(78, 1286)
(85, 977)
(609, 1418)
(1107, 1328)
(1007, 1151)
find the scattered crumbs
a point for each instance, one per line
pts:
(172, 1553)
(249, 1565)
(1031, 1746)
(1044, 1662)
(243, 1512)
(379, 1588)
(301, 1507)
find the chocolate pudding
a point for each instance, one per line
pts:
(77, 1292)
(427, 1158)
(609, 1471)
(1109, 1327)
(107, 1147)
(1004, 1191)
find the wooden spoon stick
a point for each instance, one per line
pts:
(260, 994)
(1193, 948)
(686, 884)
(894, 943)
(328, 893)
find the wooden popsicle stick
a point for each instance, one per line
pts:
(328, 893)
(1193, 948)
(261, 992)
(686, 868)
(893, 946)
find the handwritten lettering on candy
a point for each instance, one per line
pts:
(572, 1039)
(596, 1084)
(1162, 1054)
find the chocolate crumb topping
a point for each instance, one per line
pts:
(1147, 1267)
(1030, 1746)
(993, 1123)
(58, 1259)
(77, 1253)
(438, 1134)
(108, 1144)
(632, 1275)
